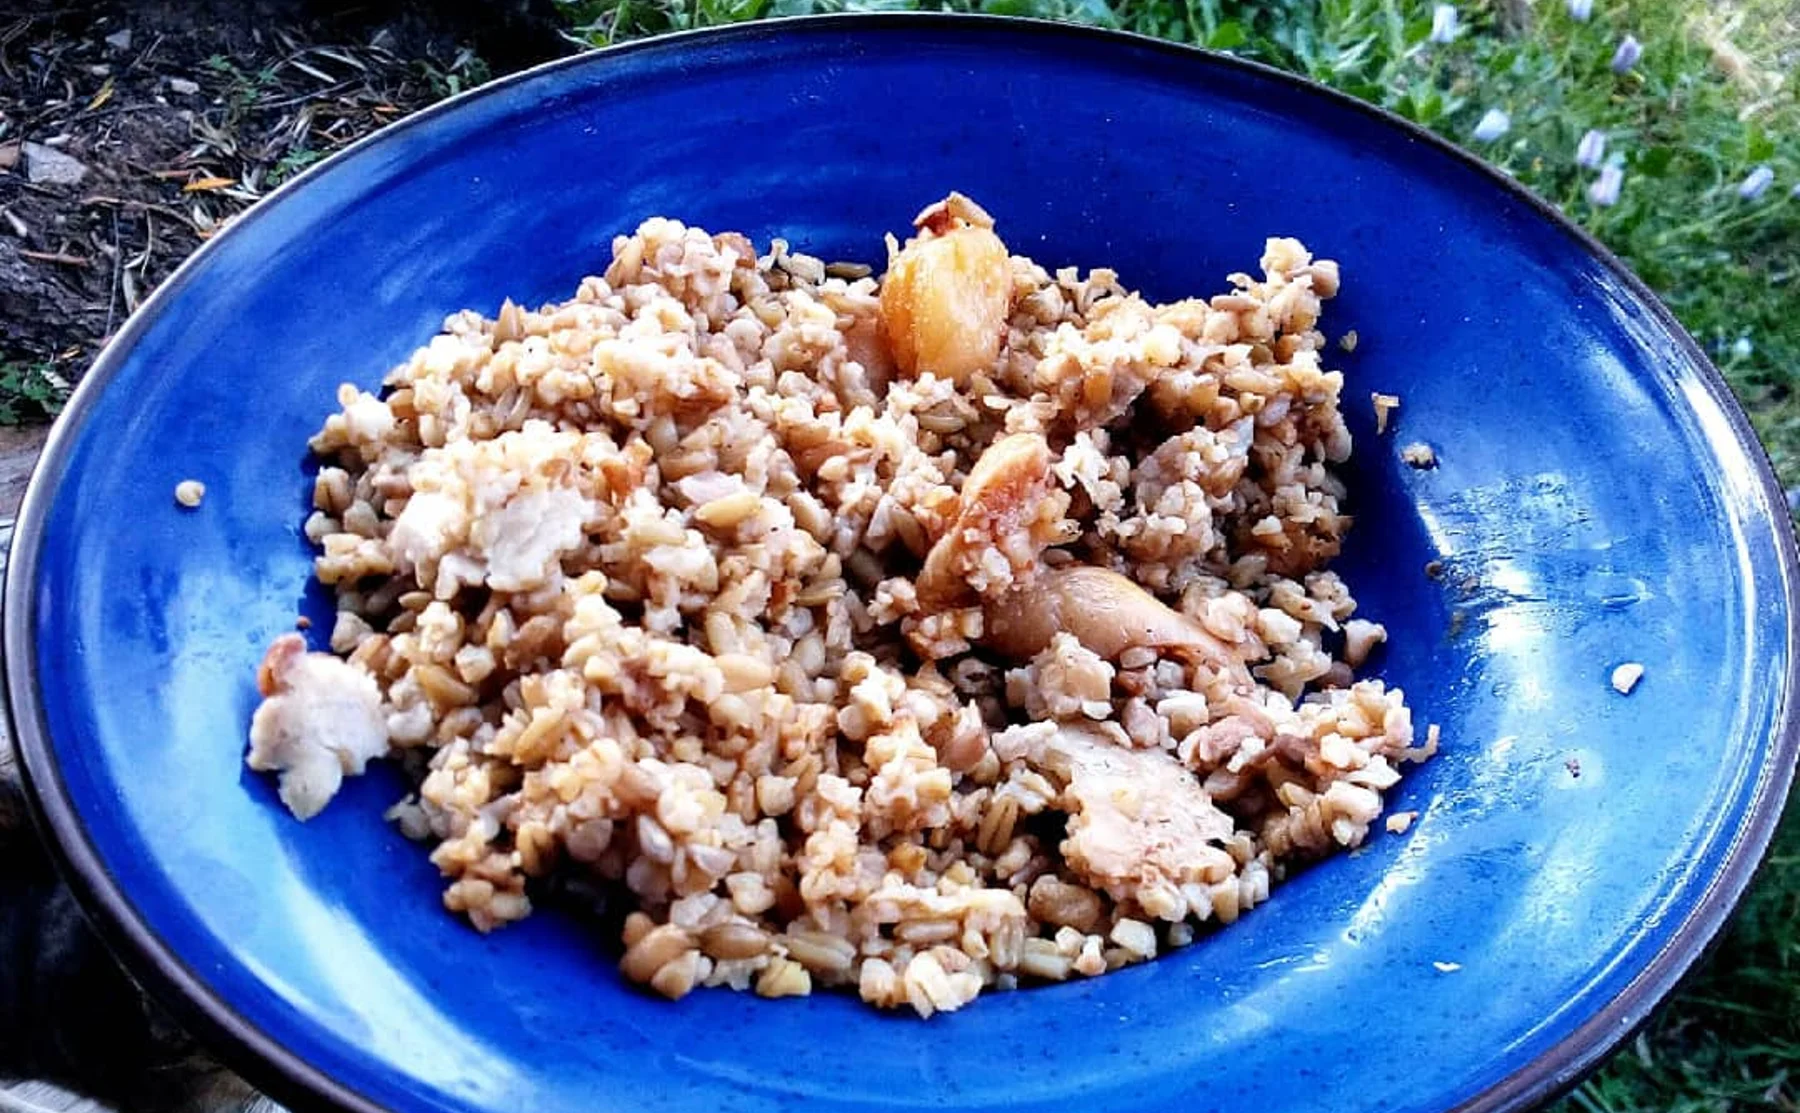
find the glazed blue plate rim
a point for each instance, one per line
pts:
(299, 1084)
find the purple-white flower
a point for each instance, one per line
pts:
(1579, 10)
(1443, 23)
(1752, 187)
(1592, 149)
(1492, 126)
(1605, 189)
(1630, 50)
(1742, 348)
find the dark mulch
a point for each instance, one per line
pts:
(181, 113)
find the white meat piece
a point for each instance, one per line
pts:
(525, 540)
(1139, 823)
(320, 719)
(430, 525)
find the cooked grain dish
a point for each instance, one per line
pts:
(966, 628)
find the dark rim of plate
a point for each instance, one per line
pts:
(300, 1084)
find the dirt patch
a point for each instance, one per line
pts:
(133, 130)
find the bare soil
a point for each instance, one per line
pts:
(181, 114)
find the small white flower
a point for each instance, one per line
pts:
(1443, 23)
(1741, 347)
(1752, 187)
(1605, 189)
(1579, 10)
(1630, 50)
(1493, 125)
(1591, 150)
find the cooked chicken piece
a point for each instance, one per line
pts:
(1139, 823)
(1008, 510)
(864, 343)
(1010, 513)
(320, 719)
(1106, 612)
(945, 296)
(525, 540)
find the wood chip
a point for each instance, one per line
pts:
(208, 184)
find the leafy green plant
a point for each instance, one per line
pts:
(30, 392)
(292, 163)
(465, 71)
(243, 88)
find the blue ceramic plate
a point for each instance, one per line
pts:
(1599, 500)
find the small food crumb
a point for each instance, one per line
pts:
(1348, 341)
(303, 623)
(1434, 568)
(1447, 967)
(1432, 736)
(1573, 765)
(1419, 455)
(189, 492)
(1626, 677)
(1400, 822)
(1385, 404)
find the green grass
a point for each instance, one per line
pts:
(1731, 1039)
(1686, 125)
